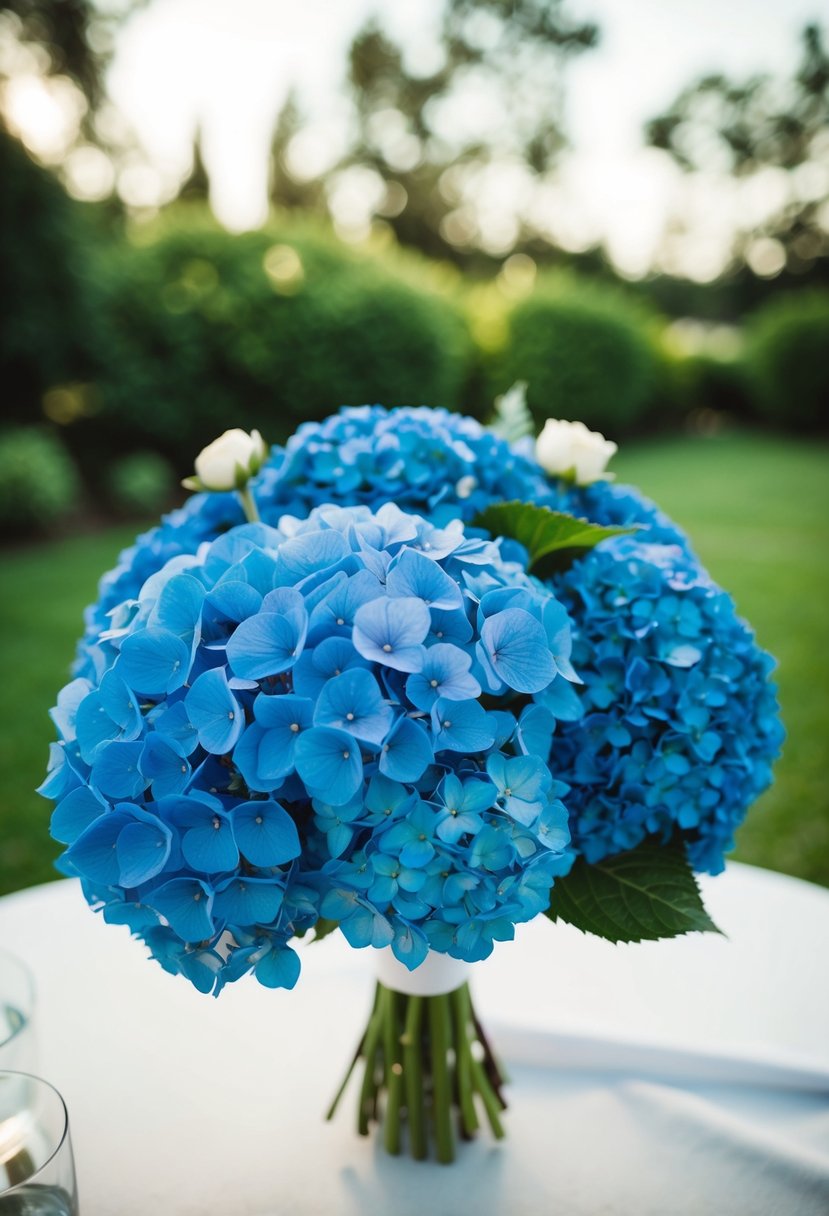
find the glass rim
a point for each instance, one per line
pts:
(29, 980)
(64, 1136)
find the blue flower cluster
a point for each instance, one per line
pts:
(430, 461)
(291, 723)
(676, 725)
(447, 467)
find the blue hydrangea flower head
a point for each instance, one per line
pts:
(680, 723)
(326, 717)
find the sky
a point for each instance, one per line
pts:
(228, 65)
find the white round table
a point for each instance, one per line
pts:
(681, 1077)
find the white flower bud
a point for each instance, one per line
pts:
(229, 461)
(569, 449)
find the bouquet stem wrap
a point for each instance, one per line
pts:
(427, 1067)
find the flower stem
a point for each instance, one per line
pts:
(248, 504)
(425, 1058)
(413, 1073)
(441, 1094)
(394, 1072)
(463, 1068)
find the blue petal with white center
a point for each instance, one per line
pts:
(352, 702)
(391, 632)
(330, 764)
(265, 833)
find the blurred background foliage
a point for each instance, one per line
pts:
(131, 333)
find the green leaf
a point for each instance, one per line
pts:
(513, 420)
(553, 539)
(647, 893)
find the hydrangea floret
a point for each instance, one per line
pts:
(294, 725)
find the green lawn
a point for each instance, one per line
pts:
(757, 509)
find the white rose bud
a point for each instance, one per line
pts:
(570, 450)
(229, 461)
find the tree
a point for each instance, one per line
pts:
(510, 51)
(76, 35)
(763, 126)
(286, 191)
(196, 186)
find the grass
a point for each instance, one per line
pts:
(757, 509)
(43, 592)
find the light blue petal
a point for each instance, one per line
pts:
(267, 644)
(117, 772)
(516, 646)
(414, 574)
(154, 661)
(407, 752)
(329, 763)
(214, 711)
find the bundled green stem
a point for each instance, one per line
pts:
(428, 1072)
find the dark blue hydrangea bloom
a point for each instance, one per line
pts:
(436, 463)
(678, 723)
(347, 716)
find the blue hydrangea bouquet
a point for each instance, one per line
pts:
(416, 681)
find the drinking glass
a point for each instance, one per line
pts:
(17, 999)
(37, 1172)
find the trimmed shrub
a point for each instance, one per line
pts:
(38, 482)
(585, 353)
(141, 484)
(787, 360)
(706, 382)
(200, 330)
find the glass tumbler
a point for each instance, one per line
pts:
(17, 1001)
(37, 1171)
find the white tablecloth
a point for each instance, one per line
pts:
(182, 1105)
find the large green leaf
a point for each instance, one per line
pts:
(553, 539)
(642, 895)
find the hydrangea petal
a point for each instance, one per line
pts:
(391, 632)
(329, 763)
(245, 900)
(267, 644)
(265, 833)
(461, 726)
(214, 711)
(515, 645)
(154, 662)
(352, 702)
(74, 813)
(407, 752)
(278, 968)
(142, 850)
(413, 574)
(186, 904)
(116, 771)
